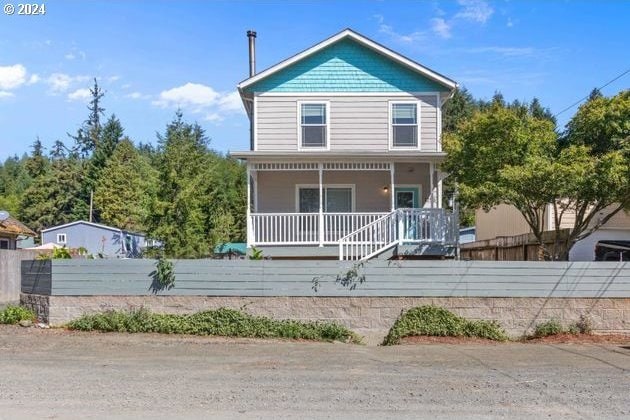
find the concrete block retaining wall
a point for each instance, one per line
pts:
(376, 314)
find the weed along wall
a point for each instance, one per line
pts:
(367, 296)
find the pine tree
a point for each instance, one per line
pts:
(179, 219)
(37, 163)
(125, 188)
(54, 197)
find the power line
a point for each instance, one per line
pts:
(586, 97)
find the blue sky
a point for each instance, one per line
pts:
(152, 57)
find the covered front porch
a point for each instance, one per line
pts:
(369, 204)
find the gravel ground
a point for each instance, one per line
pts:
(60, 374)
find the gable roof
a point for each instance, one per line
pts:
(13, 226)
(97, 225)
(362, 40)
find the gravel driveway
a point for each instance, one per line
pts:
(59, 374)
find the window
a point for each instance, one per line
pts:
(4, 244)
(404, 125)
(337, 199)
(313, 125)
(61, 238)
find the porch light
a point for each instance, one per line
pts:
(385, 189)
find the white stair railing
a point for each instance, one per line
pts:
(371, 239)
(402, 226)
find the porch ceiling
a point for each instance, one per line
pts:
(337, 156)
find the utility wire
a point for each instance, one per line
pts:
(586, 97)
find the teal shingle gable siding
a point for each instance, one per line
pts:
(346, 66)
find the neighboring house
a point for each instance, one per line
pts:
(345, 153)
(97, 239)
(13, 232)
(467, 235)
(611, 241)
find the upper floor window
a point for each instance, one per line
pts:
(61, 238)
(404, 125)
(313, 125)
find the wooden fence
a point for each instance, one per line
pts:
(508, 248)
(299, 278)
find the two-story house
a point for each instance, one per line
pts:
(345, 153)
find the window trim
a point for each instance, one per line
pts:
(65, 238)
(324, 186)
(418, 104)
(299, 125)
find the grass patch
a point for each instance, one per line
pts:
(434, 321)
(14, 314)
(221, 322)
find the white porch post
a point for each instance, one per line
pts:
(255, 192)
(320, 168)
(439, 190)
(391, 181)
(431, 181)
(250, 236)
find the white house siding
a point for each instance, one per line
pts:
(358, 122)
(276, 190)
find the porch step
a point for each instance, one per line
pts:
(424, 250)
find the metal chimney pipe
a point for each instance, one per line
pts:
(252, 52)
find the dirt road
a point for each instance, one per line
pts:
(57, 374)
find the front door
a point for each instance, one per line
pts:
(406, 197)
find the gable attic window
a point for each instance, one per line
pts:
(313, 125)
(404, 125)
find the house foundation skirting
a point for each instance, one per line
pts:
(372, 314)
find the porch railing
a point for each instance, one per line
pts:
(303, 228)
(410, 226)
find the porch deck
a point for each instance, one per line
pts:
(357, 235)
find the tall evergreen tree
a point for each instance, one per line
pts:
(54, 197)
(178, 219)
(37, 163)
(125, 189)
(88, 136)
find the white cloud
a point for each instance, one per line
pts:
(214, 117)
(198, 99)
(397, 36)
(60, 82)
(441, 27)
(190, 94)
(12, 77)
(75, 54)
(137, 95)
(504, 51)
(33, 79)
(474, 10)
(5, 94)
(82, 94)
(112, 79)
(231, 102)
(509, 23)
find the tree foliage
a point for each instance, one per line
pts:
(505, 155)
(125, 188)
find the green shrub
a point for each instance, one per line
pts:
(551, 327)
(434, 321)
(584, 325)
(220, 322)
(15, 314)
